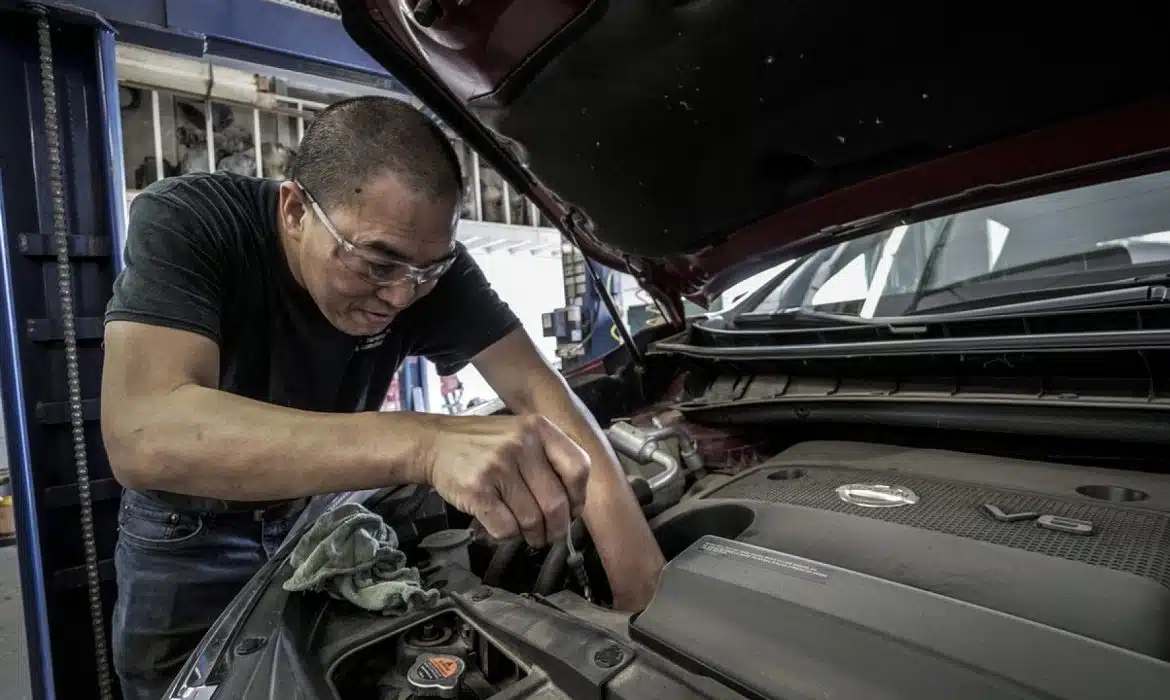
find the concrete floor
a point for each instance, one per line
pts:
(13, 657)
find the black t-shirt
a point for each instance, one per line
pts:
(203, 254)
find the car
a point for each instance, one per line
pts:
(927, 458)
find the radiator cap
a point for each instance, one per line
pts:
(436, 675)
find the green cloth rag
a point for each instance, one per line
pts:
(352, 554)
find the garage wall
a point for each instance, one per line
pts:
(531, 285)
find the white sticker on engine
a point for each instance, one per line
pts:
(780, 563)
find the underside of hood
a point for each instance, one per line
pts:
(695, 142)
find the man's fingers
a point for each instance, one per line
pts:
(531, 483)
(546, 487)
(525, 509)
(497, 518)
(569, 461)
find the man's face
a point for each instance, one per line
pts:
(365, 261)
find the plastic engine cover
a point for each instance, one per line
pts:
(775, 625)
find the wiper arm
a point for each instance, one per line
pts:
(809, 317)
(790, 319)
(1124, 296)
(1060, 265)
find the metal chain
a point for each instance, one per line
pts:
(72, 368)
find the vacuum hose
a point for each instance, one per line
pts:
(552, 571)
(502, 558)
(642, 446)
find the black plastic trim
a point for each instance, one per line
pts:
(1017, 417)
(1053, 342)
(565, 648)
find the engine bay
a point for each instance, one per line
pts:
(824, 567)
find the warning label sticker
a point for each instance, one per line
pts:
(774, 561)
(438, 668)
(445, 665)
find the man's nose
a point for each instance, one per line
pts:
(398, 294)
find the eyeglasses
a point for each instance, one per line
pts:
(376, 268)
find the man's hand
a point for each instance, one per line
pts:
(531, 387)
(516, 475)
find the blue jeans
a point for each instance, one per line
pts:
(176, 571)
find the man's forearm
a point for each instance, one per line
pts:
(624, 542)
(205, 442)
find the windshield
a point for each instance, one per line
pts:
(1093, 234)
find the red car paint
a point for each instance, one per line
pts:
(478, 44)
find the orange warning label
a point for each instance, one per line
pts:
(445, 665)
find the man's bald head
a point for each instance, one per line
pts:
(353, 141)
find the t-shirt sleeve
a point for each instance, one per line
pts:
(461, 317)
(174, 268)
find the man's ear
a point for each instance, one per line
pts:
(291, 210)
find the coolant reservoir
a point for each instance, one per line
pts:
(448, 547)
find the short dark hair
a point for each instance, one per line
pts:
(354, 140)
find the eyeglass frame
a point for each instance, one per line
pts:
(417, 275)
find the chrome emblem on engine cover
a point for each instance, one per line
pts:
(876, 495)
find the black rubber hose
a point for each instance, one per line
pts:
(502, 558)
(642, 491)
(552, 571)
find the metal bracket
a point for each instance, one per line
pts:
(57, 412)
(44, 330)
(38, 245)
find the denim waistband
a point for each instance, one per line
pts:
(200, 504)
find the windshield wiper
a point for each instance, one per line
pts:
(1076, 264)
(801, 318)
(798, 316)
(1123, 296)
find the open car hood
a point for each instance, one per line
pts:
(693, 143)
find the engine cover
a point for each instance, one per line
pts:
(778, 626)
(1033, 540)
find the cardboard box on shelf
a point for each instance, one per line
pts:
(7, 520)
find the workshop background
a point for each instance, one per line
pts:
(181, 114)
(170, 104)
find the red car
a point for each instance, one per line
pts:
(926, 460)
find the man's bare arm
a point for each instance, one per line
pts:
(528, 385)
(167, 426)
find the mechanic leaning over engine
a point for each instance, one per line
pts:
(249, 343)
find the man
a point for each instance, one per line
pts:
(250, 340)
